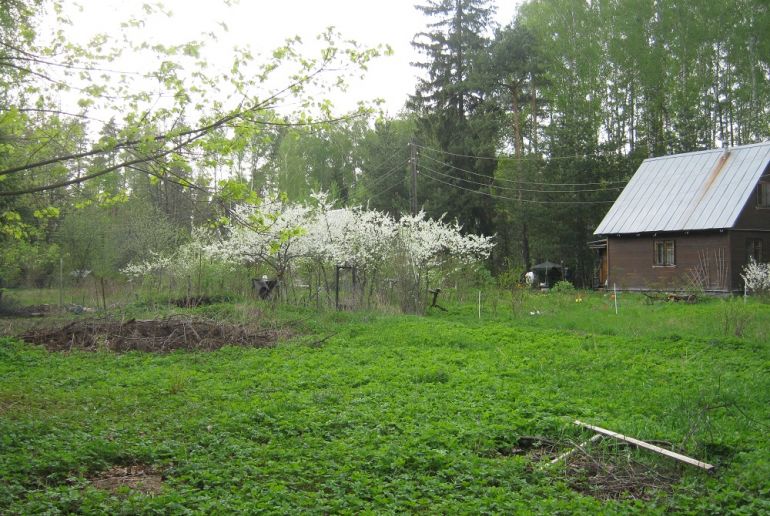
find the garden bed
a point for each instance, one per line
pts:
(155, 335)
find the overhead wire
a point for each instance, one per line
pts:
(503, 197)
(536, 183)
(665, 141)
(518, 189)
(388, 173)
(496, 158)
(388, 189)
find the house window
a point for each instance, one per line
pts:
(753, 250)
(664, 253)
(763, 195)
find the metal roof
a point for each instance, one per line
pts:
(685, 192)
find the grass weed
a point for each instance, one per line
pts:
(370, 412)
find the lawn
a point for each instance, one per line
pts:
(365, 412)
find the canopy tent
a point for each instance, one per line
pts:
(550, 271)
(546, 266)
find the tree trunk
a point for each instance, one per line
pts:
(533, 114)
(525, 246)
(517, 142)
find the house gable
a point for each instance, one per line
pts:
(756, 214)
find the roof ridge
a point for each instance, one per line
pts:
(706, 151)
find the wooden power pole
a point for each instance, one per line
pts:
(413, 165)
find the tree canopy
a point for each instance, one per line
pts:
(513, 127)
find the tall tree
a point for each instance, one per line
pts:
(515, 68)
(383, 154)
(453, 117)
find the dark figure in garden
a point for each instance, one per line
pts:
(265, 288)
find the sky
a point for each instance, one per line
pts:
(263, 25)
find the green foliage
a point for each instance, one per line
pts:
(30, 264)
(104, 238)
(563, 286)
(391, 414)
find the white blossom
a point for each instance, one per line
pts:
(279, 234)
(756, 276)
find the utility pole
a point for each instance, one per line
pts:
(413, 163)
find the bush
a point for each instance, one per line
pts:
(563, 286)
(756, 276)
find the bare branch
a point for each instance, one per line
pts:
(94, 175)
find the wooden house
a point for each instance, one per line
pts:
(688, 220)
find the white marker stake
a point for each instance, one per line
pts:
(615, 287)
(479, 304)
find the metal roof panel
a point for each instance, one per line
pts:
(692, 191)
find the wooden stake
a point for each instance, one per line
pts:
(648, 446)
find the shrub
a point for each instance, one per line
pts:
(563, 286)
(756, 276)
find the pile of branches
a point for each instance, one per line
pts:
(155, 335)
(611, 471)
(605, 470)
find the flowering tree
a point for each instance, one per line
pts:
(268, 234)
(350, 236)
(756, 277)
(428, 244)
(282, 235)
(185, 261)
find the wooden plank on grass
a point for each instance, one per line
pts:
(648, 446)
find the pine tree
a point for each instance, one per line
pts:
(453, 115)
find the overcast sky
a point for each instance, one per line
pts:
(265, 24)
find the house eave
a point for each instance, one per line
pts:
(680, 232)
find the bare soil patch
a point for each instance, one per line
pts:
(141, 478)
(155, 335)
(620, 474)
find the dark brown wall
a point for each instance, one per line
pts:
(752, 217)
(739, 258)
(631, 260)
(753, 223)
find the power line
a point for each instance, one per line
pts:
(517, 189)
(497, 158)
(518, 181)
(385, 163)
(374, 196)
(505, 198)
(668, 142)
(387, 174)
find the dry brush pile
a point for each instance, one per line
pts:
(155, 335)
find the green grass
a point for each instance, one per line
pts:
(396, 413)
